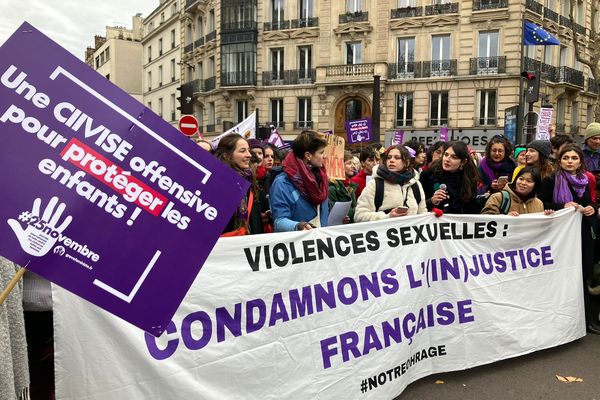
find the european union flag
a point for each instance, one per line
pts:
(534, 35)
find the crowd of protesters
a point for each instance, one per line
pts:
(291, 191)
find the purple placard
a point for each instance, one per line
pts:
(100, 195)
(359, 130)
(444, 134)
(398, 137)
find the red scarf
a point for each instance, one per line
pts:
(305, 179)
(261, 171)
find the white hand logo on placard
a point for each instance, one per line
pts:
(41, 233)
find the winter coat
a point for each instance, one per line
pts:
(343, 191)
(494, 202)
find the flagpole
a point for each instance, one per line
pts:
(521, 112)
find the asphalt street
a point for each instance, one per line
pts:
(529, 377)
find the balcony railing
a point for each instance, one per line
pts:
(551, 15)
(238, 26)
(447, 8)
(479, 5)
(534, 6)
(211, 36)
(305, 22)
(439, 68)
(580, 29)
(210, 128)
(548, 72)
(357, 16)
(209, 84)
(289, 77)
(487, 65)
(188, 48)
(277, 124)
(246, 78)
(277, 25)
(190, 3)
(196, 85)
(407, 12)
(405, 70)
(303, 124)
(571, 76)
(565, 21)
(199, 42)
(592, 85)
(350, 70)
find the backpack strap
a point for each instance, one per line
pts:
(378, 193)
(505, 205)
(416, 193)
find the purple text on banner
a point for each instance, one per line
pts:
(100, 195)
(398, 137)
(444, 134)
(359, 130)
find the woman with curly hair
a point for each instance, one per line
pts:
(496, 167)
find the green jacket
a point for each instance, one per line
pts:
(338, 191)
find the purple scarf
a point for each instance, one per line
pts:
(564, 181)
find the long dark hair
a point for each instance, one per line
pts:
(535, 175)
(576, 149)
(470, 176)
(224, 152)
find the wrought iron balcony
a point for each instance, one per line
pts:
(405, 70)
(565, 21)
(246, 78)
(211, 36)
(439, 68)
(592, 85)
(199, 42)
(487, 65)
(534, 6)
(209, 84)
(190, 3)
(305, 22)
(303, 124)
(277, 25)
(350, 70)
(406, 12)
(580, 29)
(289, 77)
(188, 48)
(210, 128)
(551, 15)
(196, 85)
(571, 76)
(238, 26)
(357, 16)
(479, 5)
(447, 8)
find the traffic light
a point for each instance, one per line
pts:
(532, 93)
(185, 99)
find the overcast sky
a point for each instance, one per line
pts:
(71, 23)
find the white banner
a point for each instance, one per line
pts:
(246, 128)
(352, 311)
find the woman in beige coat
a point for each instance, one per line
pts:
(402, 191)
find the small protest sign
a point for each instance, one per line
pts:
(358, 131)
(334, 156)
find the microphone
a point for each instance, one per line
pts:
(445, 203)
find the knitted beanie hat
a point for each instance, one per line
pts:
(255, 144)
(519, 150)
(542, 146)
(592, 130)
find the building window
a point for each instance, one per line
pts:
(406, 3)
(353, 53)
(277, 113)
(199, 28)
(149, 53)
(174, 8)
(564, 56)
(277, 65)
(150, 105)
(406, 57)
(211, 67)
(560, 112)
(488, 44)
(107, 53)
(438, 112)
(404, 109)
(188, 34)
(211, 114)
(304, 113)
(487, 107)
(353, 5)
(200, 70)
(160, 47)
(149, 80)
(277, 16)
(440, 55)
(173, 69)
(241, 108)
(162, 17)
(173, 107)
(160, 107)
(211, 21)
(574, 117)
(173, 39)
(304, 63)
(548, 54)
(190, 73)
(353, 109)
(160, 75)
(238, 64)
(97, 62)
(306, 9)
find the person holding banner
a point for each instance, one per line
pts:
(496, 167)
(538, 155)
(568, 187)
(518, 197)
(394, 190)
(234, 151)
(451, 183)
(299, 195)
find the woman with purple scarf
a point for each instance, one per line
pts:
(496, 164)
(568, 187)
